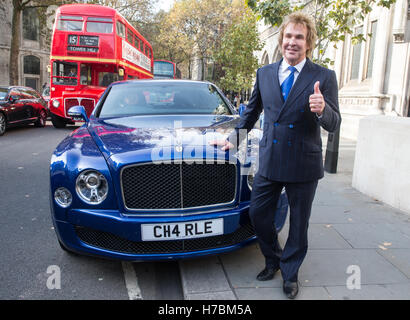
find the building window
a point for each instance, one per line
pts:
(357, 49)
(32, 65)
(369, 71)
(31, 82)
(30, 24)
(265, 59)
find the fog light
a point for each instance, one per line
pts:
(63, 197)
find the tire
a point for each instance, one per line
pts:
(42, 118)
(3, 124)
(58, 122)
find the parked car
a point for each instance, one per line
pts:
(20, 106)
(140, 180)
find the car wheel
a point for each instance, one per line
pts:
(58, 122)
(2, 124)
(42, 118)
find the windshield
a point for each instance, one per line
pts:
(64, 73)
(163, 98)
(3, 93)
(162, 68)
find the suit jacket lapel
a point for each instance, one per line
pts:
(305, 78)
(276, 91)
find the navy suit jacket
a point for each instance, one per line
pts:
(291, 146)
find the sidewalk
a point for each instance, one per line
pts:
(350, 236)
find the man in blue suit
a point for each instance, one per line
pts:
(298, 97)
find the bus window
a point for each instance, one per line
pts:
(70, 23)
(120, 29)
(129, 36)
(106, 78)
(99, 27)
(137, 42)
(85, 74)
(64, 73)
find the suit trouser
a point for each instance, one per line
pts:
(265, 195)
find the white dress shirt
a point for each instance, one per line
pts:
(284, 72)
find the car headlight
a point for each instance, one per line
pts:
(91, 187)
(55, 103)
(63, 197)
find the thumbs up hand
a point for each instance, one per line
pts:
(316, 100)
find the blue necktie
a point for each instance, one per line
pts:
(287, 84)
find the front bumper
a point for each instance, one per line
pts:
(110, 234)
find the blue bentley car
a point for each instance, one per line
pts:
(141, 181)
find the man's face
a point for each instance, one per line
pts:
(294, 44)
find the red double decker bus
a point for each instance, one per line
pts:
(165, 69)
(92, 46)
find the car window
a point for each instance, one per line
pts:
(24, 94)
(35, 94)
(16, 93)
(163, 98)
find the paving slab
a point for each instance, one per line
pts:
(243, 266)
(203, 276)
(325, 236)
(400, 258)
(329, 268)
(366, 235)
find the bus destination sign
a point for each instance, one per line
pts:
(82, 43)
(82, 49)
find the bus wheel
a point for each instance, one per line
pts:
(58, 122)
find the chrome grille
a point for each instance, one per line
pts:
(109, 241)
(178, 185)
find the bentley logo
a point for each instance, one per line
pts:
(178, 148)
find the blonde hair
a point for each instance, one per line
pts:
(303, 19)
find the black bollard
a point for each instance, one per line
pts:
(332, 151)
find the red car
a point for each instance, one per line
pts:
(20, 106)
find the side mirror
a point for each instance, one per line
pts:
(78, 113)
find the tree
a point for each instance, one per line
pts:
(195, 26)
(235, 53)
(334, 19)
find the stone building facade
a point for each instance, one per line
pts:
(373, 76)
(34, 47)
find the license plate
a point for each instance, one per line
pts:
(182, 230)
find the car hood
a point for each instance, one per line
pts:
(141, 133)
